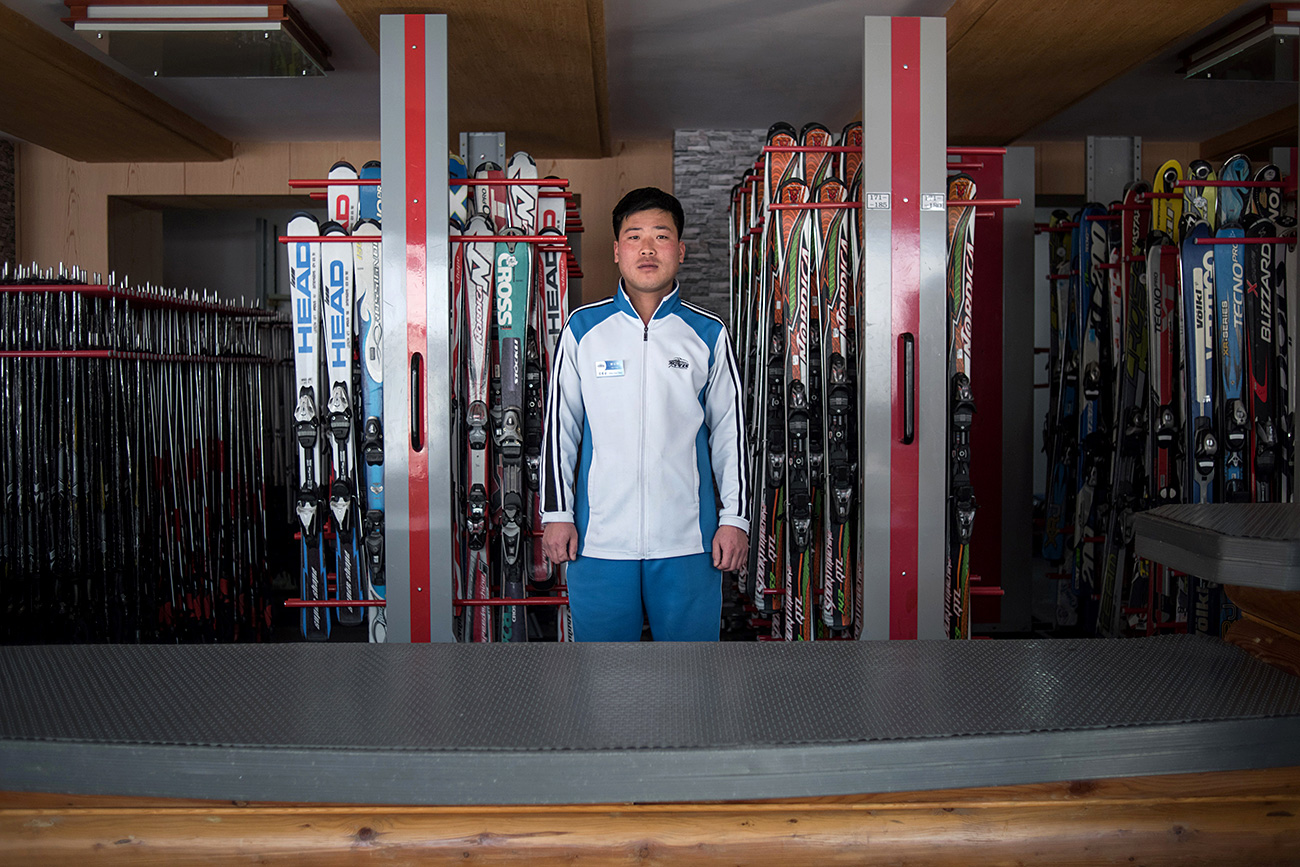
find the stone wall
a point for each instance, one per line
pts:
(706, 164)
(8, 218)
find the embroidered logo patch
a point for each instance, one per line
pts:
(609, 368)
(678, 363)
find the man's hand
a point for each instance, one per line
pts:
(560, 542)
(730, 548)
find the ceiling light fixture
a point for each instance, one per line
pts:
(1262, 46)
(202, 38)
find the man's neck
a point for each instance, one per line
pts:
(646, 303)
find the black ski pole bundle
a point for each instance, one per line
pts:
(1168, 361)
(136, 463)
(795, 294)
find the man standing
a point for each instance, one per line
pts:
(644, 413)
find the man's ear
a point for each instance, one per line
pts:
(681, 251)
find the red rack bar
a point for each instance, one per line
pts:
(1211, 241)
(1102, 218)
(1186, 182)
(984, 203)
(501, 603)
(554, 194)
(527, 239)
(359, 182)
(814, 206)
(336, 603)
(328, 239)
(978, 151)
(958, 167)
(987, 591)
(1144, 196)
(809, 149)
(507, 182)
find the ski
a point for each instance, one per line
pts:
(492, 200)
(1093, 437)
(479, 290)
(768, 556)
(367, 265)
(304, 276)
(342, 197)
(1229, 302)
(1197, 284)
(961, 406)
(513, 263)
(1285, 255)
(1119, 568)
(337, 306)
(1057, 426)
(795, 287)
(1200, 201)
(459, 204)
(1261, 354)
(369, 277)
(1164, 405)
(834, 283)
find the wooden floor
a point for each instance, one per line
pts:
(1236, 818)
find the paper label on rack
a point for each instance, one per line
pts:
(877, 201)
(933, 202)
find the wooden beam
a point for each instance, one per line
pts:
(1275, 130)
(535, 71)
(55, 96)
(1233, 818)
(1013, 64)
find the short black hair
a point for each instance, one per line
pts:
(648, 199)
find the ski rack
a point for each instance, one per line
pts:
(199, 608)
(555, 190)
(143, 298)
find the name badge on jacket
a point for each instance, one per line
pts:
(609, 368)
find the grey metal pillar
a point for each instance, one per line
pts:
(1018, 418)
(416, 339)
(903, 321)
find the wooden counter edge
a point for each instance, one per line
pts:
(1240, 817)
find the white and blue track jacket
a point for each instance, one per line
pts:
(640, 420)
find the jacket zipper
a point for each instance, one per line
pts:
(645, 346)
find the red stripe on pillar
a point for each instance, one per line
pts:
(905, 282)
(416, 317)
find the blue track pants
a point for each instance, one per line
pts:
(681, 597)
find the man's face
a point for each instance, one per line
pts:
(648, 251)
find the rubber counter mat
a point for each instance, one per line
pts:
(1252, 544)
(549, 723)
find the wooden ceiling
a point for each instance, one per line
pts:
(56, 96)
(534, 70)
(1013, 64)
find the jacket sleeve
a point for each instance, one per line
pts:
(728, 447)
(561, 433)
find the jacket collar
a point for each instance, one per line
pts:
(667, 305)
